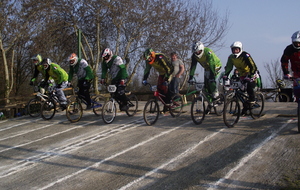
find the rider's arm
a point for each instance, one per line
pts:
(285, 61)
(193, 67)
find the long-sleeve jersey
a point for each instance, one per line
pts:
(161, 64)
(82, 70)
(116, 67)
(244, 64)
(57, 73)
(293, 55)
(209, 61)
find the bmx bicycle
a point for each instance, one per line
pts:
(232, 109)
(202, 105)
(109, 110)
(152, 109)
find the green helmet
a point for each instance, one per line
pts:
(148, 53)
(37, 58)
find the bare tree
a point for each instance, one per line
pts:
(274, 72)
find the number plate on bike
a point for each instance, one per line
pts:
(235, 85)
(199, 86)
(112, 88)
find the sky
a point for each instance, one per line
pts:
(264, 27)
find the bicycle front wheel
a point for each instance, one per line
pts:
(74, 111)
(282, 97)
(34, 107)
(48, 109)
(151, 112)
(109, 112)
(231, 112)
(198, 110)
(176, 106)
(97, 104)
(258, 107)
(132, 105)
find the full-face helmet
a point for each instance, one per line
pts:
(107, 54)
(46, 63)
(149, 55)
(280, 83)
(198, 49)
(37, 59)
(296, 40)
(73, 59)
(235, 45)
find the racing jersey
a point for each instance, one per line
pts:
(161, 64)
(209, 61)
(293, 55)
(244, 64)
(82, 70)
(116, 67)
(57, 73)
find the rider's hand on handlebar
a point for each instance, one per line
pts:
(122, 82)
(144, 82)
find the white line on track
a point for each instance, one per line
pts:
(113, 156)
(180, 156)
(248, 157)
(25, 163)
(10, 127)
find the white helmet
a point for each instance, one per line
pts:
(73, 59)
(296, 38)
(107, 54)
(237, 44)
(198, 46)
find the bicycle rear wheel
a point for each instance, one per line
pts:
(97, 104)
(132, 105)
(198, 110)
(34, 107)
(176, 106)
(219, 105)
(258, 107)
(48, 109)
(231, 112)
(151, 112)
(109, 112)
(74, 111)
(282, 97)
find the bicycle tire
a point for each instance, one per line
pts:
(176, 106)
(34, 107)
(97, 104)
(151, 112)
(74, 111)
(231, 112)
(219, 105)
(257, 109)
(283, 97)
(48, 109)
(109, 112)
(198, 110)
(132, 105)
(298, 114)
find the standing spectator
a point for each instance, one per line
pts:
(178, 71)
(84, 75)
